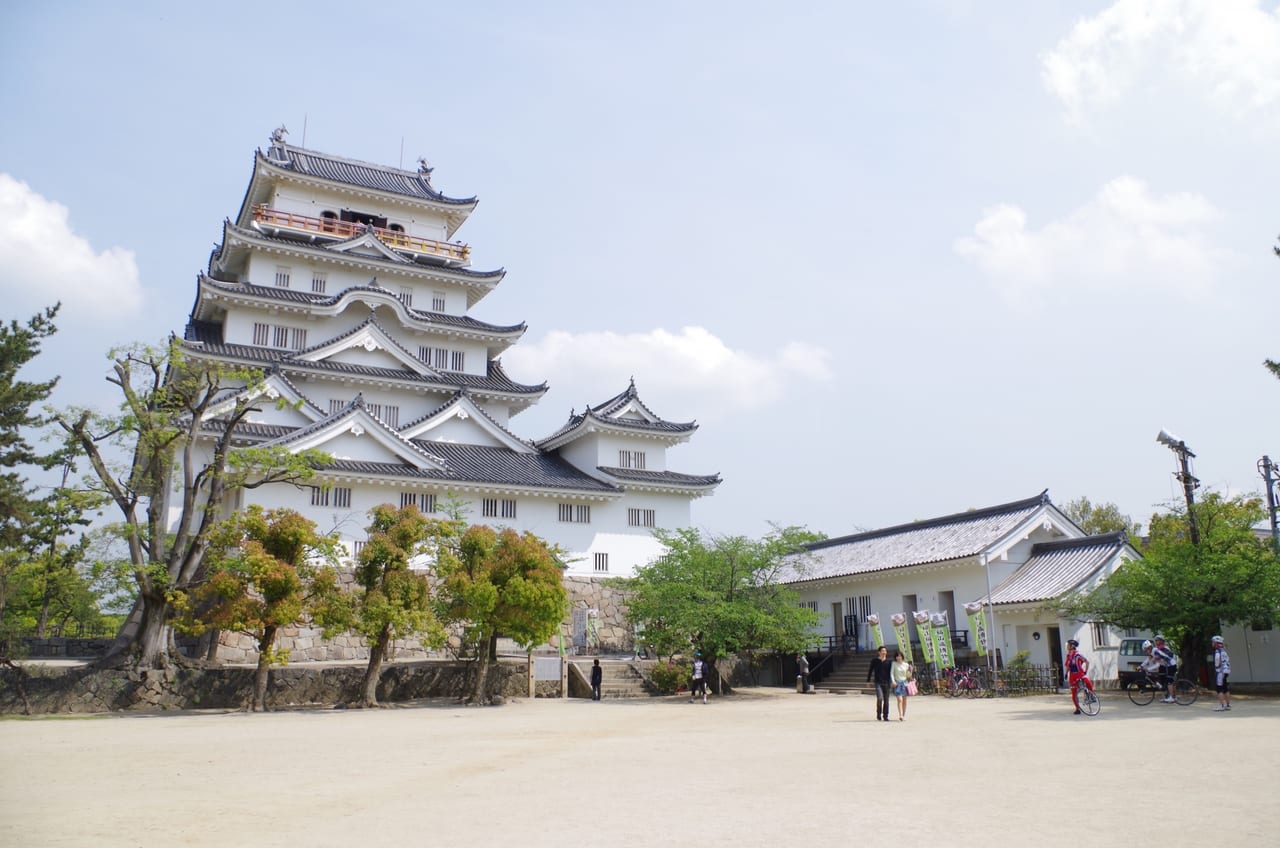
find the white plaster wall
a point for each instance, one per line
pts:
(965, 580)
(417, 222)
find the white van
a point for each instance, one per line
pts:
(1130, 657)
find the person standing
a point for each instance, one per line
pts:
(597, 678)
(1221, 670)
(698, 678)
(802, 668)
(1077, 666)
(900, 673)
(882, 670)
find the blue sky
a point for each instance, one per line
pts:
(898, 260)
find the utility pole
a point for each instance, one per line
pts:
(1267, 469)
(1184, 476)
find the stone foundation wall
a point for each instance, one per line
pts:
(616, 635)
(52, 690)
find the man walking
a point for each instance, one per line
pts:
(882, 670)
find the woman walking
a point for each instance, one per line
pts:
(901, 673)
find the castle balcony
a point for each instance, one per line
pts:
(332, 229)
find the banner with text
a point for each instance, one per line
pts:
(942, 640)
(978, 627)
(877, 635)
(926, 635)
(899, 620)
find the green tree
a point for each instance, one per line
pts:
(721, 595)
(1190, 591)
(1096, 519)
(395, 600)
(502, 583)
(19, 344)
(265, 569)
(171, 410)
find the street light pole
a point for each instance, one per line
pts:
(1267, 469)
(1184, 475)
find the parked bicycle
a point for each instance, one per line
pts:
(1143, 690)
(966, 682)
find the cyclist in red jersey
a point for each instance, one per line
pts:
(1077, 666)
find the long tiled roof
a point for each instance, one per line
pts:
(465, 275)
(662, 478)
(482, 463)
(950, 537)
(198, 343)
(274, 293)
(1057, 567)
(356, 173)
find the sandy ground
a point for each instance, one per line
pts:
(764, 767)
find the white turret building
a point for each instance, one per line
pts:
(341, 281)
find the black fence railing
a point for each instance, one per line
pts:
(981, 681)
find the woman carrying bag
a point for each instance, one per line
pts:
(901, 674)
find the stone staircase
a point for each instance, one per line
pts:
(850, 675)
(621, 679)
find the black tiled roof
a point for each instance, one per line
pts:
(482, 463)
(262, 357)
(356, 173)
(319, 300)
(662, 478)
(605, 413)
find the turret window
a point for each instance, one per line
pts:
(602, 562)
(282, 276)
(496, 508)
(443, 359)
(406, 296)
(425, 502)
(575, 513)
(631, 459)
(319, 281)
(437, 301)
(641, 518)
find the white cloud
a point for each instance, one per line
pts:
(1225, 50)
(1125, 238)
(693, 372)
(42, 260)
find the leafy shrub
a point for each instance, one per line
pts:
(668, 677)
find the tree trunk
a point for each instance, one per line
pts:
(143, 639)
(211, 646)
(263, 672)
(487, 648)
(369, 688)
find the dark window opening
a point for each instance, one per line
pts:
(363, 218)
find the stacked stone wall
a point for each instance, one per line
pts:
(41, 690)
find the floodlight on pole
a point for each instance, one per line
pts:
(1184, 476)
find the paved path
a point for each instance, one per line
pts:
(766, 767)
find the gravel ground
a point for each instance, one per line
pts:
(762, 767)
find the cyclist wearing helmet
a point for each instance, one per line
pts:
(1221, 669)
(1077, 666)
(1163, 654)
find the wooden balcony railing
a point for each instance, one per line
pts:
(346, 229)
